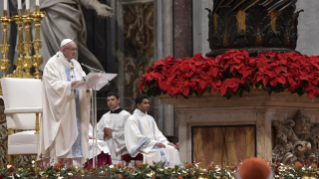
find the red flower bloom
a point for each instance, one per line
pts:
(230, 71)
(298, 165)
(12, 168)
(314, 166)
(230, 85)
(189, 165)
(32, 172)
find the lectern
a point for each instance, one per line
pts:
(94, 82)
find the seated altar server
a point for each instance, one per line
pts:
(143, 136)
(101, 151)
(65, 126)
(111, 128)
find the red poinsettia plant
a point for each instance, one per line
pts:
(232, 73)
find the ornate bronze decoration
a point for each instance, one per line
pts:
(256, 26)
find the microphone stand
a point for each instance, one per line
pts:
(93, 115)
(91, 68)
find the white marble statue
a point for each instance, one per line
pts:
(64, 19)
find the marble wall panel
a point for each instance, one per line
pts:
(183, 32)
(136, 46)
(257, 108)
(223, 145)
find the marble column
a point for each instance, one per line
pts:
(200, 26)
(164, 45)
(183, 33)
(308, 39)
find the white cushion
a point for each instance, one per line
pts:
(23, 110)
(24, 137)
(23, 149)
(21, 121)
(25, 142)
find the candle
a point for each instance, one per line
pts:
(27, 4)
(37, 2)
(5, 5)
(19, 4)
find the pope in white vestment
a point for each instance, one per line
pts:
(64, 129)
(110, 128)
(143, 136)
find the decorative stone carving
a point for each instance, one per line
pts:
(296, 140)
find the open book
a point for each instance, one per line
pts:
(94, 81)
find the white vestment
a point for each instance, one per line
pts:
(60, 126)
(115, 121)
(101, 146)
(141, 135)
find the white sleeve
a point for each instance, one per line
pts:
(90, 130)
(134, 139)
(158, 134)
(118, 135)
(100, 129)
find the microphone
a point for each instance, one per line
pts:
(93, 69)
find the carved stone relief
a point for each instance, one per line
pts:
(296, 140)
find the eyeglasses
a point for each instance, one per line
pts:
(72, 49)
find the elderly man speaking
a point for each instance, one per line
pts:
(64, 129)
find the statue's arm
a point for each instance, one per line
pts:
(102, 10)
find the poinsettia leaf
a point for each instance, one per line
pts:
(202, 84)
(186, 91)
(299, 91)
(279, 88)
(157, 91)
(223, 90)
(269, 88)
(208, 88)
(228, 96)
(258, 84)
(239, 91)
(146, 88)
(247, 89)
(190, 92)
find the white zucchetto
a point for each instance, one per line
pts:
(65, 41)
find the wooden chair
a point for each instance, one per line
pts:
(127, 158)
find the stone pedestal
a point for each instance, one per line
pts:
(255, 108)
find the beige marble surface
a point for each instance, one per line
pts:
(254, 108)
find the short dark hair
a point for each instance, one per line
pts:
(113, 94)
(140, 98)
